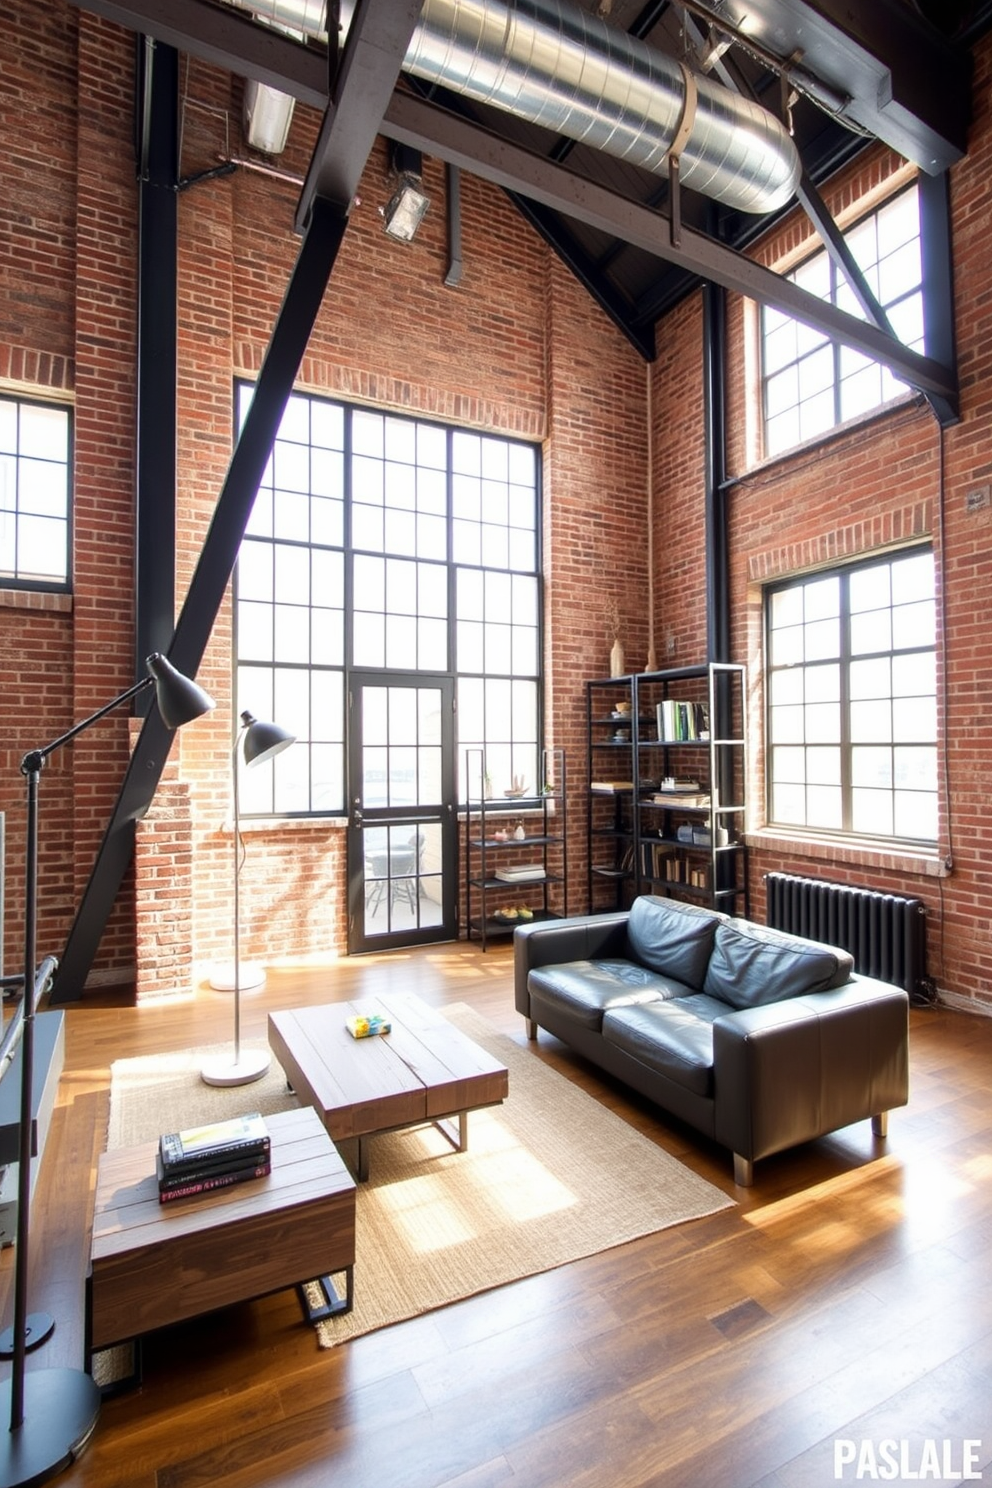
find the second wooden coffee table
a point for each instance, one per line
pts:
(424, 1070)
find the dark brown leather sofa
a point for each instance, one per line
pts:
(759, 1039)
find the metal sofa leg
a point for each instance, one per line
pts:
(743, 1171)
(531, 1028)
(880, 1124)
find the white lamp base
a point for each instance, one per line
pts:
(250, 975)
(226, 1070)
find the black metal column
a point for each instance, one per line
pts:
(715, 474)
(157, 119)
(938, 282)
(295, 321)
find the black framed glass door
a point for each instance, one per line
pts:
(402, 822)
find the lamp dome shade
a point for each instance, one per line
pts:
(263, 741)
(180, 700)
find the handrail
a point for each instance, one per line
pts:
(15, 1028)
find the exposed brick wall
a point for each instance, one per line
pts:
(595, 527)
(518, 347)
(103, 512)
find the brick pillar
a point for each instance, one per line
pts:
(163, 890)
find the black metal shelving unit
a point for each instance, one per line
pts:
(489, 896)
(651, 734)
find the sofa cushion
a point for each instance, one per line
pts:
(585, 989)
(751, 965)
(672, 937)
(673, 1038)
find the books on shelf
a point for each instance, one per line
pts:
(681, 801)
(521, 873)
(681, 721)
(610, 787)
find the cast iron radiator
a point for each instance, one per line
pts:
(885, 933)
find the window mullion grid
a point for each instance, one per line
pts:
(348, 597)
(847, 812)
(452, 575)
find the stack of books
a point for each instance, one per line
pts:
(521, 873)
(204, 1158)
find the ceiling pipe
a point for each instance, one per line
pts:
(555, 65)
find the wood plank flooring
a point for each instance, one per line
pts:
(847, 1296)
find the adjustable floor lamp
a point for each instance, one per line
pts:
(53, 1411)
(259, 742)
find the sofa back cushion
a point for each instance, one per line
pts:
(672, 937)
(751, 965)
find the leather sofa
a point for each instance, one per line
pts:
(759, 1039)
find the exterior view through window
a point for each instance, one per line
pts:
(382, 542)
(851, 700)
(811, 384)
(35, 461)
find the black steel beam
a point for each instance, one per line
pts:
(157, 142)
(476, 150)
(378, 38)
(839, 252)
(936, 246)
(293, 326)
(225, 38)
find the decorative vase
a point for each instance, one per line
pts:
(616, 659)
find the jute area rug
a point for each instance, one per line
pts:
(549, 1176)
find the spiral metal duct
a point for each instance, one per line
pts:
(554, 64)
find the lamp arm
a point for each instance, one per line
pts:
(35, 758)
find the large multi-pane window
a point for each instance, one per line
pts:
(383, 542)
(35, 460)
(851, 700)
(810, 384)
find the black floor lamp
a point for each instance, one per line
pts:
(53, 1411)
(257, 741)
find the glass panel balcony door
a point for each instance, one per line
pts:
(402, 837)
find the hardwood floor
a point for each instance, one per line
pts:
(847, 1297)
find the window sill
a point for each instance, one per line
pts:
(56, 602)
(864, 853)
(814, 446)
(253, 825)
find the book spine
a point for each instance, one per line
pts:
(216, 1156)
(218, 1180)
(170, 1178)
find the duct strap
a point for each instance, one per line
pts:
(687, 119)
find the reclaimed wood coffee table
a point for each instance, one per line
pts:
(424, 1070)
(153, 1264)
